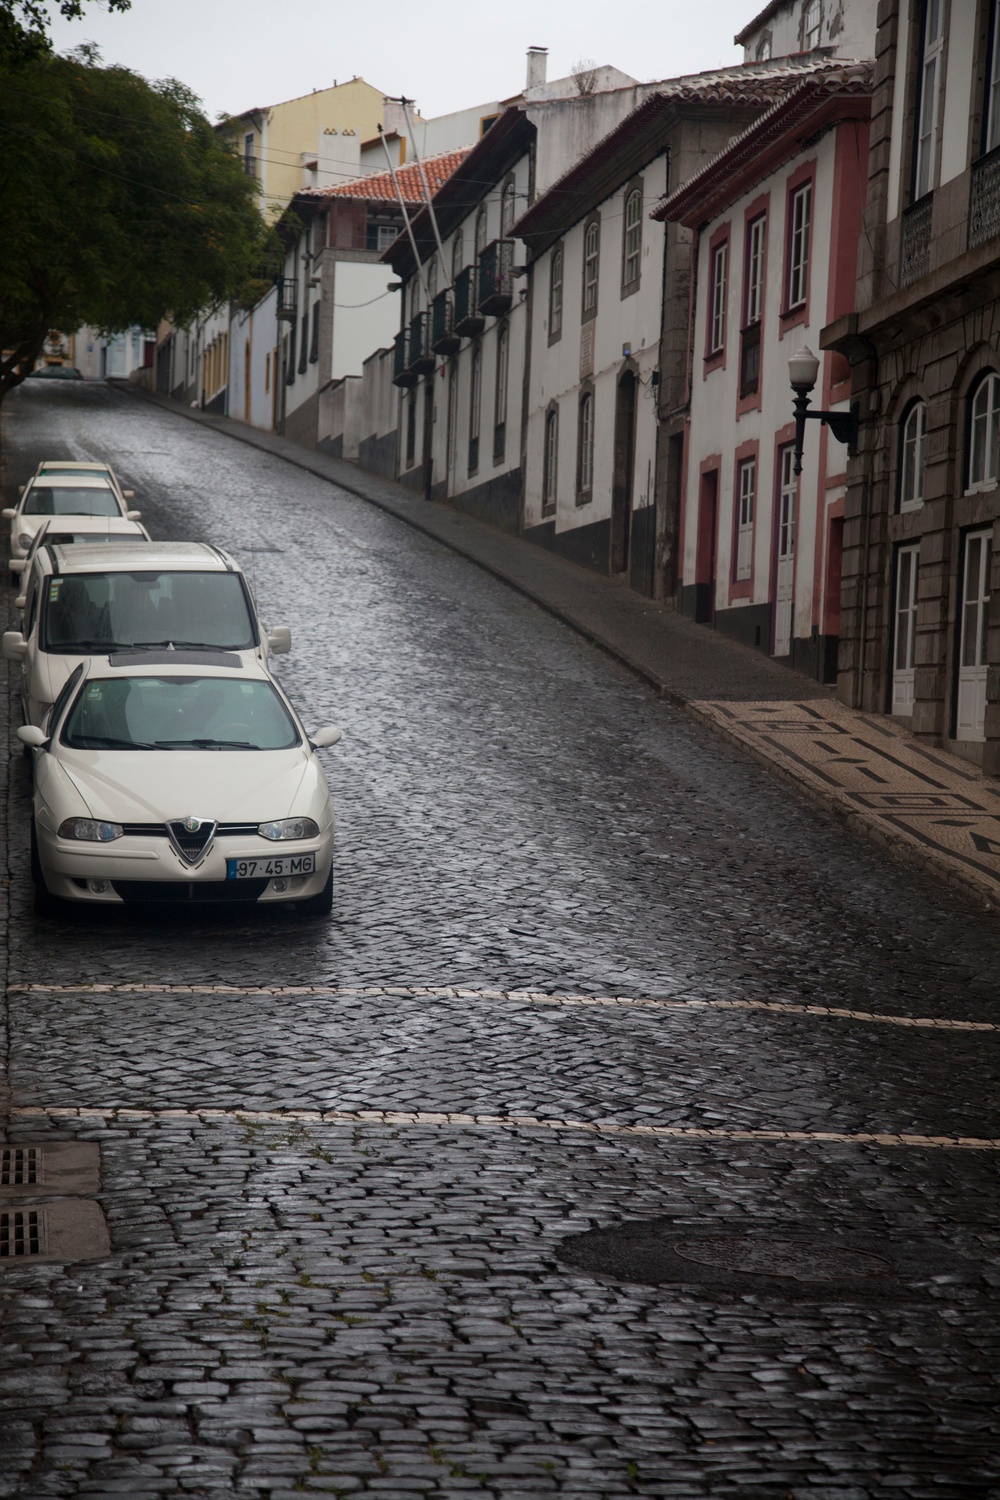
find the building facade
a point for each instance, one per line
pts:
(921, 601)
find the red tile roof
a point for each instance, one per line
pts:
(377, 187)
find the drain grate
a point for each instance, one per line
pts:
(20, 1166)
(22, 1233)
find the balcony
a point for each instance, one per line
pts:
(467, 322)
(915, 246)
(420, 360)
(444, 339)
(288, 297)
(401, 374)
(984, 201)
(749, 361)
(495, 283)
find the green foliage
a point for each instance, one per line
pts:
(120, 204)
(23, 22)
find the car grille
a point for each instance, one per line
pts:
(159, 830)
(188, 892)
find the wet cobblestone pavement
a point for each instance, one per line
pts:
(376, 1304)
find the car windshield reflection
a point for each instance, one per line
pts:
(70, 500)
(96, 612)
(178, 713)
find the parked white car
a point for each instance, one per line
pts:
(69, 531)
(169, 776)
(88, 599)
(74, 468)
(59, 495)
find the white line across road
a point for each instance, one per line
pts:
(112, 1115)
(521, 997)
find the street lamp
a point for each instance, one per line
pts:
(803, 370)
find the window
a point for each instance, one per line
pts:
(991, 110)
(475, 396)
(480, 231)
(904, 629)
(304, 344)
(591, 263)
(763, 52)
(432, 280)
(249, 160)
(411, 428)
(550, 463)
(746, 483)
(507, 208)
(457, 255)
(812, 16)
(379, 236)
(717, 298)
(911, 457)
(267, 374)
(984, 433)
(500, 403)
(314, 343)
(799, 214)
(290, 355)
(929, 100)
(585, 457)
(555, 294)
(753, 289)
(632, 245)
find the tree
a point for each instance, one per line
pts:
(119, 205)
(23, 23)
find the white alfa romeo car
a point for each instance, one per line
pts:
(179, 776)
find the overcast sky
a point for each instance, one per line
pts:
(446, 54)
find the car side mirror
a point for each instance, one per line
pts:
(14, 646)
(328, 735)
(18, 564)
(280, 639)
(20, 601)
(30, 734)
(133, 515)
(8, 512)
(128, 494)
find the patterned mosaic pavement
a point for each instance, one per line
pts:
(939, 808)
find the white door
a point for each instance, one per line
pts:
(451, 435)
(904, 629)
(784, 588)
(971, 716)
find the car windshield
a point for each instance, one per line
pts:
(178, 713)
(70, 500)
(96, 612)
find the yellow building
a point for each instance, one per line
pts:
(312, 141)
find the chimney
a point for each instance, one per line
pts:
(537, 60)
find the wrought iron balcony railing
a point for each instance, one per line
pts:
(401, 374)
(984, 201)
(467, 321)
(915, 246)
(495, 283)
(420, 357)
(288, 296)
(444, 339)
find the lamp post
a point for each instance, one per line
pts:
(803, 370)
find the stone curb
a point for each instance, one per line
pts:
(984, 891)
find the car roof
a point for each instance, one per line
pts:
(99, 525)
(88, 557)
(78, 482)
(71, 465)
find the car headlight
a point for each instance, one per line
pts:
(25, 539)
(91, 830)
(289, 828)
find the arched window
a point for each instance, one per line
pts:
(586, 451)
(457, 255)
(432, 279)
(480, 230)
(550, 463)
(912, 433)
(507, 208)
(632, 245)
(763, 52)
(555, 294)
(984, 432)
(591, 264)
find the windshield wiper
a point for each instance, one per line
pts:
(208, 744)
(108, 740)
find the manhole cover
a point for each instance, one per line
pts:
(37, 1168)
(60, 1229)
(776, 1257)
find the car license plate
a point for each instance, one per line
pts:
(279, 864)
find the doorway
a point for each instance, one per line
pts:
(784, 580)
(708, 525)
(624, 474)
(970, 716)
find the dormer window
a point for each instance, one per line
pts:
(812, 18)
(763, 49)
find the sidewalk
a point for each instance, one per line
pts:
(922, 804)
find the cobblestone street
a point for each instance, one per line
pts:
(589, 965)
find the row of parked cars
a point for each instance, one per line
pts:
(168, 764)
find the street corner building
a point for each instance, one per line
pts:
(920, 609)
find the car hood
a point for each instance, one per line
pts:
(228, 786)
